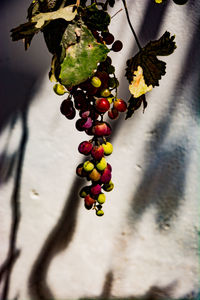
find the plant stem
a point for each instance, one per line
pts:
(129, 22)
(105, 5)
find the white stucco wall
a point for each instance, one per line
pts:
(149, 233)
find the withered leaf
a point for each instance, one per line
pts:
(134, 104)
(153, 68)
(39, 21)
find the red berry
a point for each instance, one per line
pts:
(96, 189)
(89, 200)
(85, 147)
(106, 176)
(97, 152)
(102, 105)
(113, 113)
(120, 105)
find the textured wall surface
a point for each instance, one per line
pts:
(147, 241)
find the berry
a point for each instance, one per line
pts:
(96, 82)
(84, 114)
(84, 191)
(80, 171)
(96, 189)
(117, 46)
(105, 93)
(108, 38)
(85, 147)
(108, 186)
(108, 148)
(94, 175)
(102, 164)
(59, 89)
(106, 176)
(100, 129)
(79, 124)
(101, 198)
(88, 166)
(99, 213)
(109, 130)
(89, 200)
(102, 105)
(97, 152)
(66, 107)
(88, 123)
(120, 105)
(113, 113)
(71, 114)
(88, 206)
(109, 167)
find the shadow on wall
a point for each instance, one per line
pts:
(13, 251)
(63, 231)
(18, 74)
(164, 178)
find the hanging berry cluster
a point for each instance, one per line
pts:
(78, 37)
(93, 99)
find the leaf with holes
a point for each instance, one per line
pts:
(82, 58)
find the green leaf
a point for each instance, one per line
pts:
(153, 69)
(82, 58)
(96, 19)
(134, 104)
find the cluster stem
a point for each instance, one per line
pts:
(129, 22)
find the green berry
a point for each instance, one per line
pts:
(88, 166)
(101, 198)
(108, 148)
(84, 191)
(108, 186)
(102, 164)
(59, 89)
(105, 93)
(99, 213)
(96, 82)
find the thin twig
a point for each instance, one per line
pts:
(116, 13)
(129, 22)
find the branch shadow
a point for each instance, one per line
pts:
(13, 252)
(58, 240)
(154, 293)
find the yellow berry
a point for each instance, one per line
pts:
(101, 198)
(59, 89)
(108, 148)
(102, 164)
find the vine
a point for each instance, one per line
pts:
(77, 35)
